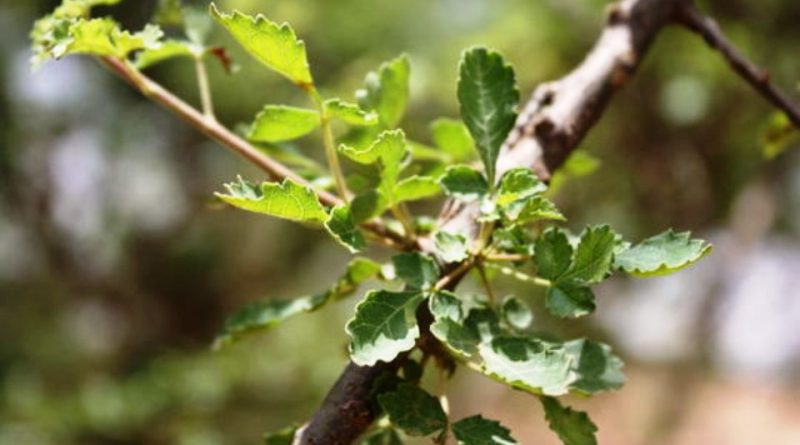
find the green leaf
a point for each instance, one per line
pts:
(451, 248)
(275, 46)
(517, 184)
(517, 313)
(282, 437)
(385, 325)
(527, 364)
(341, 226)
(464, 183)
(282, 123)
(413, 410)
(531, 209)
(662, 254)
(388, 151)
(350, 113)
(387, 436)
(445, 304)
(456, 336)
(453, 137)
(573, 427)
(553, 254)
(415, 188)
(260, 316)
(594, 366)
(593, 256)
(386, 91)
(288, 200)
(417, 270)
(514, 239)
(570, 301)
(477, 430)
(368, 205)
(488, 96)
(169, 49)
(780, 134)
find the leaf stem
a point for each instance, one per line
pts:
(204, 88)
(330, 145)
(521, 276)
(454, 274)
(487, 285)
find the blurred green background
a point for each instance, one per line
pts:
(117, 270)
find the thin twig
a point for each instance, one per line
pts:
(204, 87)
(521, 276)
(230, 140)
(486, 285)
(455, 274)
(758, 78)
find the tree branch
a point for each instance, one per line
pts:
(213, 129)
(758, 78)
(552, 124)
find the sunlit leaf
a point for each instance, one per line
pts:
(453, 137)
(350, 113)
(277, 123)
(288, 200)
(341, 226)
(464, 183)
(386, 91)
(662, 254)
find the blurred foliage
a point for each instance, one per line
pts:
(108, 305)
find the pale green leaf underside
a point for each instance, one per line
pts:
(277, 123)
(288, 200)
(384, 325)
(527, 364)
(341, 226)
(276, 46)
(451, 248)
(477, 430)
(170, 49)
(413, 410)
(488, 96)
(517, 313)
(350, 113)
(662, 254)
(573, 427)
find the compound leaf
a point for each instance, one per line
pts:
(384, 325)
(488, 96)
(662, 254)
(413, 410)
(276, 46)
(277, 123)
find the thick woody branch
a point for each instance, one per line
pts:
(553, 123)
(758, 78)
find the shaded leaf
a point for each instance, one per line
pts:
(573, 427)
(464, 183)
(415, 188)
(593, 256)
(569, 300)
(417, 270)
(413, 410)
(388, 152)
(488, 97)
(445, 304)
(456, 336)
(477, 430)
(384, 326)
(277, 123)
(553, 254)
(595, 367)
(288, 200)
